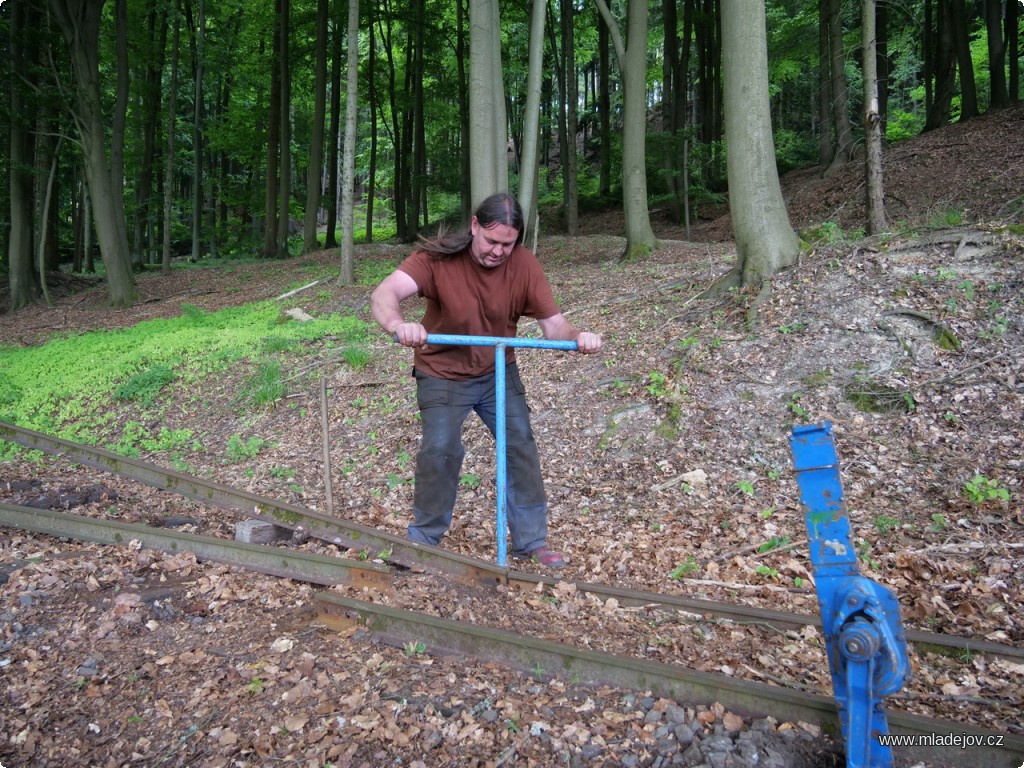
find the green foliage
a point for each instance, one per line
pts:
(358, 357)
(264, 388)
(686, 568)
(980, 489)
(795, 408)
(136, 438)
(903, 125)
(658, 384)
(773, 543)
(415, 648)
(145, 385)
(794, 150)
(745, 487)
(371, 271)
(884, 524)
(72, 380)
(239, 450)
(827, 233)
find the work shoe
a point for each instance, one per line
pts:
(543, 556)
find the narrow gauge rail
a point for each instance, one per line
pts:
(402, 553)
(400, 626)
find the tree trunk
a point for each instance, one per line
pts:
(632, 56)
(928, 55)
(1000, 97)
(79, 21)
(284, 189)
(875, 197)
(371, 182)
(1012, 27)
(347, 274)
(825, 145)
(488, 138)
(462, 47)
(156, 36)
(315, 171)
(273, 141)
(765, 241)
(965, 65)
(559, 90)
(882, 57)
(331, 195)
(840, 92)
(944, 69)
(197, 133)
(23, 285)
(172, 119)
(531, 121)
(604, 108)
(45, 218)
(670, 94)
(419, 140)
(570, 190)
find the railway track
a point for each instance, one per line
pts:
(398, 626)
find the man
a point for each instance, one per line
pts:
(477, 282)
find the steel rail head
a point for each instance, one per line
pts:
(440, 636)
(334, 530)
(275, 561)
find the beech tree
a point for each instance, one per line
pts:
(872, 124)
(632, 57)
(488, 136)
(79, 21)
(23, 285)
(347, 274)
(765, 241)
(531, 119)
(314, 173)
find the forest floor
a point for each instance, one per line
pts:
(668, 469)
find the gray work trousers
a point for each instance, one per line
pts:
(444, 406)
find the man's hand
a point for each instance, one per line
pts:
(588, 343)
(410, 334)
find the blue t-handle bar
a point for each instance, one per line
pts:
(499, 343)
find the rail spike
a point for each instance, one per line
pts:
(867, 650)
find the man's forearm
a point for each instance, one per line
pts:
(386, 311)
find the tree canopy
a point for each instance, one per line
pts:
(207, 143)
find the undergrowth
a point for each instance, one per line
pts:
(73, 387)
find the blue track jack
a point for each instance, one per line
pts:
(867, 651)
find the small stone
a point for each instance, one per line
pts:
(652, 716)
(675, 714)
(684, 734)
(666, 745)
(716, 744)
(693, 754)
(591, 750)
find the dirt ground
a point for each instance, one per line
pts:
(668, 469)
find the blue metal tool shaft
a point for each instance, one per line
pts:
(501, 461)
(864, 639)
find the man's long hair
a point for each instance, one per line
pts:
(500, 208)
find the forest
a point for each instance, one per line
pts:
(139, 132)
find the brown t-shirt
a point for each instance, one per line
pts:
(466, 299)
